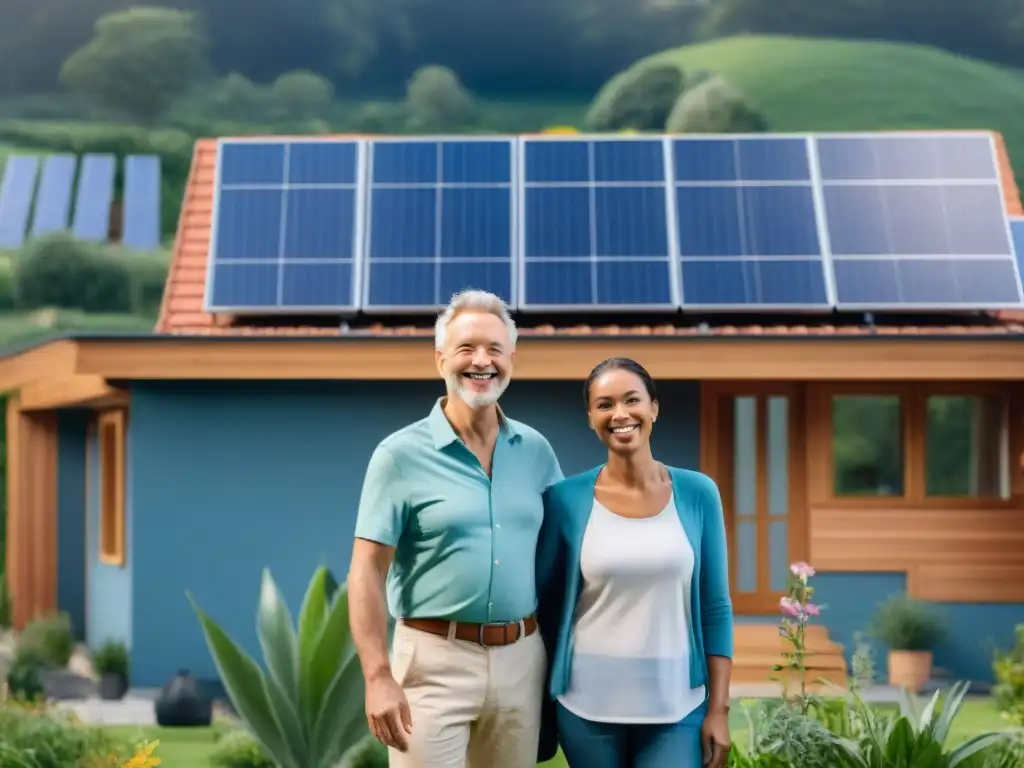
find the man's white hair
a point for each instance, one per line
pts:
(482, 301)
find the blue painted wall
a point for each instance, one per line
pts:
(230, 477)
(108, 587)
(974, 631)
(72, 428)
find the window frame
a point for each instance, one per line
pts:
(914, 426)
(110, 456)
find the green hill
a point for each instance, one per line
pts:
(807, 84)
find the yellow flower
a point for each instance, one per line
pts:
(144, 757)
(561, 129)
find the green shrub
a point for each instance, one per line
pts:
(369, 753)
(24, 678)
(905, 624)
(60, 272)
(238, 749)
(6, 607)
(714, 106)
(111, 658)
(50, 636)
(7, 298)
(38, 738)
(1009, 673)
(437, 99)
(639, 99)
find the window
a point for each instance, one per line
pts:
(919, 442)
(867, 445)
(966, 446)
(111, 487)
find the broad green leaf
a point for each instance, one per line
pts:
(924, 724)
(246, 687)
(950, 709)
(311, 621)
(973, 746)
(342, 720)
(332, 651)
(287, 718)
(277, 638)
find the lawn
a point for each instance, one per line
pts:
(808, 84)
(191, 748)
(23, 328)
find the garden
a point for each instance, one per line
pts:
(302, 707)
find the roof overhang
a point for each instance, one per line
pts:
(86, 370)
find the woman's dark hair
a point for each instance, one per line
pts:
(620, 364)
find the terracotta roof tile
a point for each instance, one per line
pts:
(182, 309)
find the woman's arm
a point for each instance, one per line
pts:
(550, 576)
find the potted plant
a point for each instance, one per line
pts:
(910, 629)
(110, 661)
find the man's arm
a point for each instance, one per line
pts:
(368, 612)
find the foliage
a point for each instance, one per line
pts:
(640, 99)
(369, 753)
(24, 677)
(238, 749)
(111, 658)
(905, 624)
(6, 607)
(303, 94)
(34, 736)
(139, 61)
(58, 271)
(797, 609)
(1009, 674)
(52, 637)
(437, 99)
(714, 106)
(306, 711)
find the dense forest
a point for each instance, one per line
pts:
(532, 47)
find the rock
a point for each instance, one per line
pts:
(63, 685)
(81, 663)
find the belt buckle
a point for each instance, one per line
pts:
(483, 627)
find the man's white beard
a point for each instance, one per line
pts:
(478, 400)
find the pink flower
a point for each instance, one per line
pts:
(790, 607)
(812, 610)
(802, 571)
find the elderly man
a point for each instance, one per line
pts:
(449, 516)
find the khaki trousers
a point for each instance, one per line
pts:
(472, 707)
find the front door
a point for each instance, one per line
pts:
(752, 445)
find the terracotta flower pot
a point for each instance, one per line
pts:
(910, 669)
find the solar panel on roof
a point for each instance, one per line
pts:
(141, 202)
(595, 225)
(93, 198)
(748, 232)
(917, 221)
(16, 193)
(286, 226)
(53, 201)
(439, 219)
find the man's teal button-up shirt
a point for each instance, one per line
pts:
(465, 543)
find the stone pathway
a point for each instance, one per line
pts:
(137, 707)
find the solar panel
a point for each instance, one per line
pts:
(917, 221)
(286, 226)
(440, 216)
(595, 226)
(1017, 233)
(748, 231)
(141, 202)
(53, 201)
(16, 193)
(93, 198)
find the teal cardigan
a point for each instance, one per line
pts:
(567, 507)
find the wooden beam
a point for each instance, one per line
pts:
(31, 511)
(561, 358)
(82, 391)
(56, 358)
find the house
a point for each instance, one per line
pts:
(882, 445)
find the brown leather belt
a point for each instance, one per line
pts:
(482, 634)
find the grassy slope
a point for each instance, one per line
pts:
(806, 84)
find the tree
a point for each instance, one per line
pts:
(302, 94)
(639, 99)
(437, 99)
(714, 106)
(139, 61)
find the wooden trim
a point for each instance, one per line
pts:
(82, 391)
(32, 452)
(914, 398)
(111, 453)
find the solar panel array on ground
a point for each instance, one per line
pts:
(39, 196)
(908, 221)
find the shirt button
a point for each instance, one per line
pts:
(497, 562)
